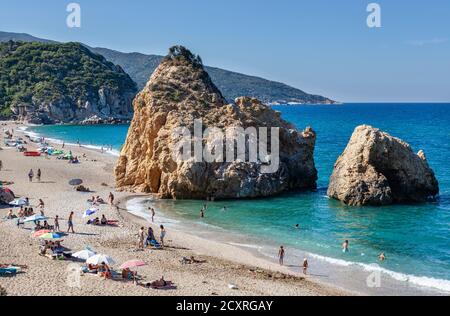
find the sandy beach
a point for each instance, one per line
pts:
(224, 264)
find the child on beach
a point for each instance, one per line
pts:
(281, 254)
(56, 224)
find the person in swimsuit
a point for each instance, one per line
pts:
(305, 266)
(56, 224)
(382, 257)
(141, 238)
(70, 223)
(345, 246)
(163, 234)
(281, 254)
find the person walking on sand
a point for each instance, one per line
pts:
(1, 165)
(163, 234)
(281, 254)
(30, 175)
(305, 266)
(38, 175)
(56, 225)
(345, 246)
(141, 237)
(70, 223)
(111, 198)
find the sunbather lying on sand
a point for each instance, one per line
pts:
(160, 284)
(191, 260)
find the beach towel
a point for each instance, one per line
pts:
(8, 271)
(155, 244)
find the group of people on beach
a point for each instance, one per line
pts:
(148, 239)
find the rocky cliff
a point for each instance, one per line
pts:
(378, 169)
(179, 92)
(62, 83)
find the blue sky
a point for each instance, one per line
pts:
(320, 46)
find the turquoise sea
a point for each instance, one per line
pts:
(415, 238)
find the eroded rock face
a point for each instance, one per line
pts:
(179, 92)
(378, 169)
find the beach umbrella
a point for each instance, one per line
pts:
(50, 236)
(133, 264)
(75, 182)
(41, 232)
(99, 258)
(6, 195)
(84, 254)
(89, 212)
(18, 202)
(35, 218)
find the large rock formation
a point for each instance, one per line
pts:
(179, 92)
(378, 169)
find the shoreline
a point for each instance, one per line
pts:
(48, 277)
(232, 253)
(265, 260)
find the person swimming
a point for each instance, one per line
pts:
(382, 257)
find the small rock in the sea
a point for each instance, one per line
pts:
(378, 169)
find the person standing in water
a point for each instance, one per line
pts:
(345, 246)
(281, 254)
(202, 213)
(382, 257)
(305, 266)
